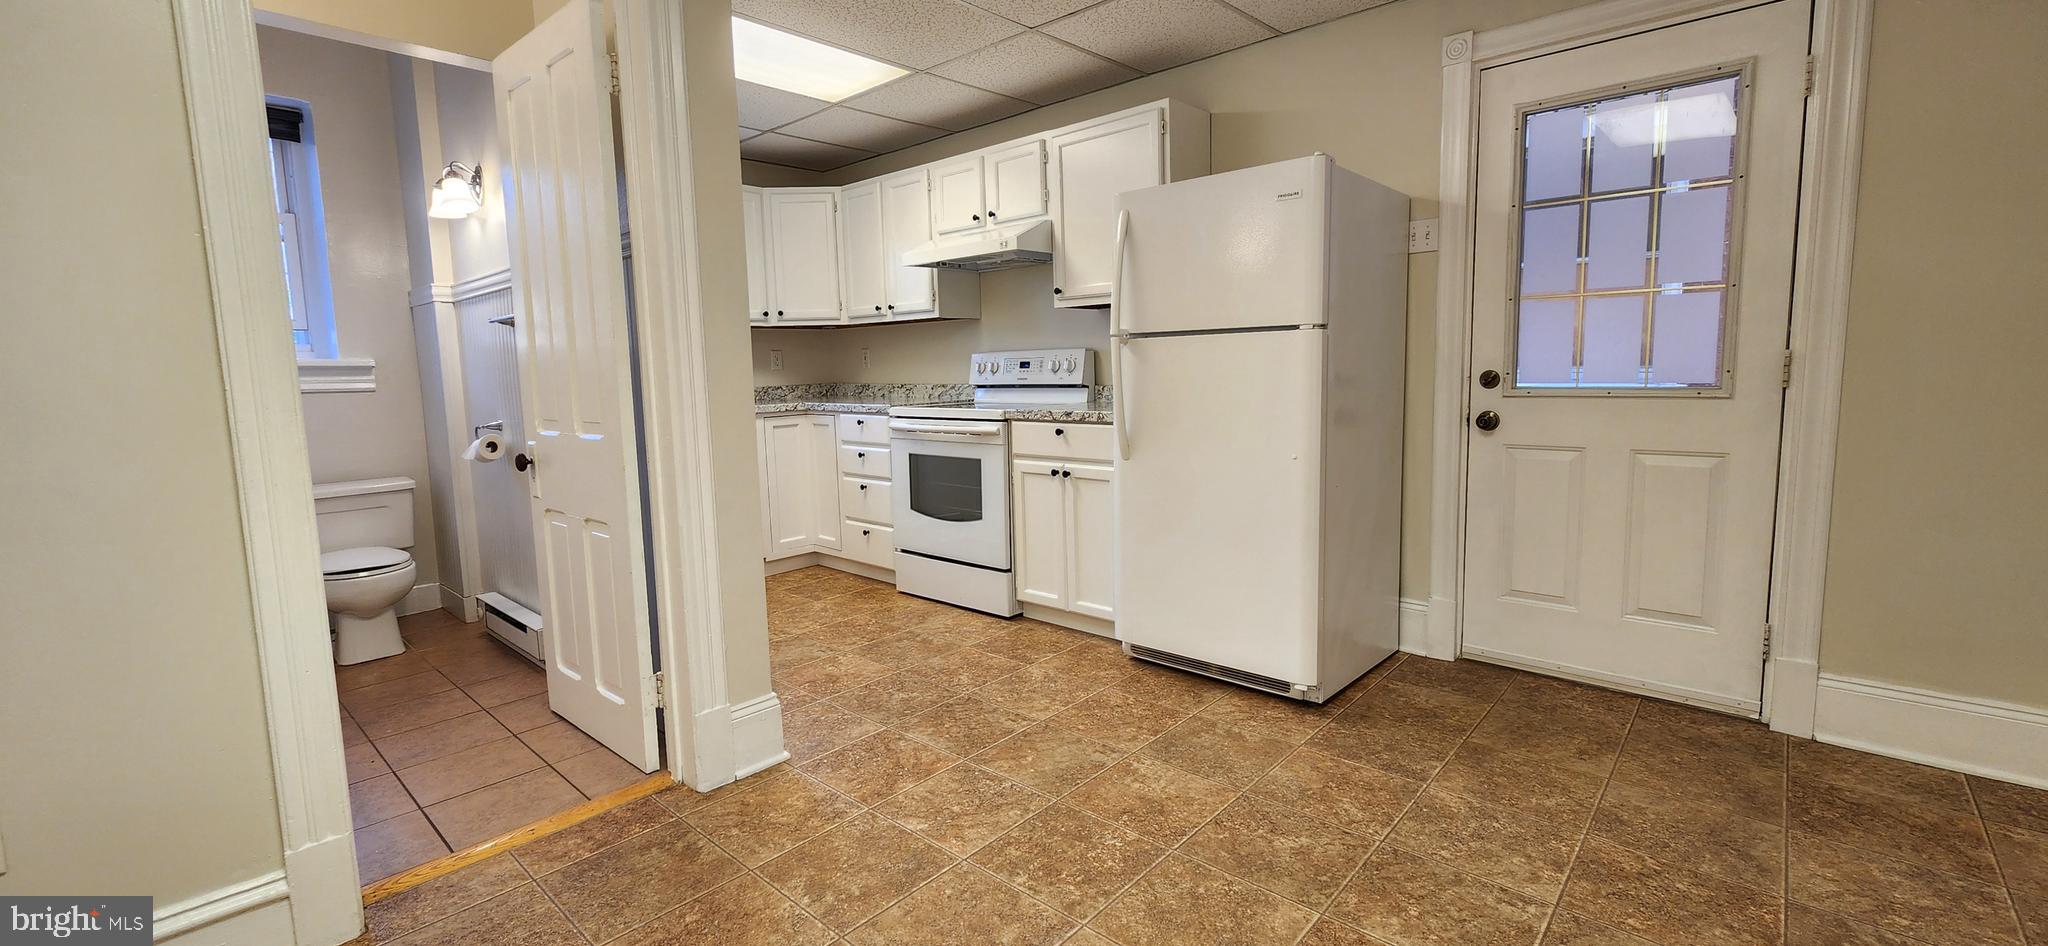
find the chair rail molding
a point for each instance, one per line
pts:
(1840, 47)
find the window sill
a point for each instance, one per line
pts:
(337, 375)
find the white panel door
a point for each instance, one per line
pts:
(957, 204)
(1241, 249)
(1041, 528)
(1091, 539)
(755, 230)
(1218, 502)
(906, 225)
(554, 119)
(1087, 168)
(860, 251)
(1016, 183)
(786, 445)
(803, 255)
(1633, 251)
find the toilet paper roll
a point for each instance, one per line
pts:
(485, 449)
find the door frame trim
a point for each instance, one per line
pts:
(1832, 144)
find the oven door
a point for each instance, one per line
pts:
(952, 490)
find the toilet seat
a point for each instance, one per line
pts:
(366, 562)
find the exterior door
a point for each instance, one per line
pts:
(1633, 254)
(576, 377)
(907, 225)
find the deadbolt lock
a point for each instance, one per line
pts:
(1489, 379)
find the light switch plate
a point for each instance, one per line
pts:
(1422, 236)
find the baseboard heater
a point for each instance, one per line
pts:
(515, 624)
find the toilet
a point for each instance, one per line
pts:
(365, 541)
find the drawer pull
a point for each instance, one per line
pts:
(859, 456)
(864, 531)
(1059, 431)
(863, 487)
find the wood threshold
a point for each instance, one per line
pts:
(449, 863)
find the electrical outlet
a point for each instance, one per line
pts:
(863, 358)
(1422, 236)
(774, 359)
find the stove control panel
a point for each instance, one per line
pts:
(1048, 366)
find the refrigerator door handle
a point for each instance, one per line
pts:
(1117, 394)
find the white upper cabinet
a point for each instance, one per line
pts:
(1090, 166)
(1015, 183)
(756, 228)
(803, 254)
(906, 225)
(958, 204)
(861, 252)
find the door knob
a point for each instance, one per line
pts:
(1489, 379)
(1487, 420)
(522, 462)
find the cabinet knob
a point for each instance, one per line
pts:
(866, 532)
(878, 308)
(1052, 472)
(892, 307)
(860, 422)
(764, 313)
(1059, 431)
(1055, 290)
(860, 456)
(991, 215)
(778, 311)
(977, 218)
(863, 487)
(1066, 472)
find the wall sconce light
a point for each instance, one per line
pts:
(459, 192)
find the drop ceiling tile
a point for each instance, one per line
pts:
(914, 33)
(798, 152)
(930, 100)
(764, 107)
(1036, 68)
(746, 132)
(1290, 15)
(853, 128)
(1151, 35)
(1031, 12)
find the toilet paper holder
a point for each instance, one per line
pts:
(478, 430)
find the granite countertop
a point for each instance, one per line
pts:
(773, 400)
(1096, 411)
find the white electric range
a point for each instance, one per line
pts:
(950, 463)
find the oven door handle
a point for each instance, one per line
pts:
(968, 430)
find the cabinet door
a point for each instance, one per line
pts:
(1089, 167)
(791, 498)
(957, 205)
(1041, 527)
(906, 225)
(756, 232)
(821, 446)
(860, 250)
(1016, 183)
(803, 255)
(1091, 540)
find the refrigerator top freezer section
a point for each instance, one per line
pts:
(1239, 250)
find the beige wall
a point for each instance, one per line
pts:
(355, 435)
(1940, 535)
(469, 133)
(480, 28)
(136, 759)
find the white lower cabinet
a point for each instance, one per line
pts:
(1065, 524)
(825, 487)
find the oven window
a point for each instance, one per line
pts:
(945, 488)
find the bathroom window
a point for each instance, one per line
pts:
(301, 228)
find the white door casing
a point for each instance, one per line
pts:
(1615, 534)
(554, 119)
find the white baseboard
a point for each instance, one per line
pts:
(255, 912)
(757, 735)
(790, 563)
(1414, 626)
(1982, 737)
(1790, 697)
(461, 605)
(1068, 619)
(420, 599)
(326, 894)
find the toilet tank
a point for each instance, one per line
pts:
(360, 513)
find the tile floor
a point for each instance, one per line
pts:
(964, 781)
(452, 743)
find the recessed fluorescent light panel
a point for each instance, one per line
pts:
(789, 62)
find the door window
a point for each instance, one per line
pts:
(1625, 239)
(945, 488)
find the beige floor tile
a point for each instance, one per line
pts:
(964, 669)
(631, 882)
(964, 725)
(2007, 803)
(1668, 903)
(398, 690)
(1047, 758)
(856, 870)
(1413, 901)
(1351, 796)
(352, 732)
(376, 799)
(1292, 721)
(964, 906)
(853, 630)
(393, 718)
(1035, 691)
(478, 816)
(1729, 737)
(557, 741)
(1181, 692)
(513, 685)
(1514, 850)
(796, 649)
(1496, 776)
(2022, 857)
(907, 647)
(1710, 839)
(1366, 681)
(364, 761)
(1930, 905)
(814, 729)
(1095, 661)
(832, 675)
(1942, 838)
(357, 676)
(963, 807)
(522, 916)
(599, 772)
(757, 824)
(1407, 730)
(1328, 932)
(1029, 642)
(1116, 718)
(1151, 798)
(1184, 903)
(427, 743)
(591, 835)
(1298, 857)
(392, 845)
(1806, 926)
(894, 698)
(1905, 782)
(1555, 697)
(1218, 751)
(444, 896)
(524, 715)
(1073, 862)
(1570, 929)
(468, 665)
(437, 630)
(1701, 771)
(682, 799)
(744, 911)
(2033, 910)
(1470, 679)
(878, 766)
(468, 770)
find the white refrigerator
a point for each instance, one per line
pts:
(1258, 332)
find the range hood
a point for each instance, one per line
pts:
(999, 248)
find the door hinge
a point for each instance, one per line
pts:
(1809, 75)
(660, 688)
(1767, 640)
(1785, 374)
(615, 72)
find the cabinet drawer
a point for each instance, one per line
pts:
(1092, 442)
(870, 543)
(865, 499)
(859, 459)
(864, 428)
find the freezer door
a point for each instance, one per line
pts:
(1243, 249)
(1219, 503)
